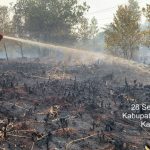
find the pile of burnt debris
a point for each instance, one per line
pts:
(80, 113)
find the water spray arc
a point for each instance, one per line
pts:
(45, 45)
(84, 54)
(87, 54)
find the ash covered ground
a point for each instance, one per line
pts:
(49, 106)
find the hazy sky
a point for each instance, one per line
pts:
(103, 10)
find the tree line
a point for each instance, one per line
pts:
(64, 21)
(48, 20)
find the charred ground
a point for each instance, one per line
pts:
(79, 107)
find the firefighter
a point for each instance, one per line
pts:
(1, 37)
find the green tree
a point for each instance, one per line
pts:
(94, 30)
(5, 24)
(135, 9)
(86, 32)
(49, 20)
(82, 30)
(146, 33)
(122, 36)
(146, 12)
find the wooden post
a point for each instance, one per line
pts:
(21, 50)
(20, 45)
(5, 51)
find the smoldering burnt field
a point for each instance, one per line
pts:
(58, 106)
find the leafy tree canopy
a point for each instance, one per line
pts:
(49, 19)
